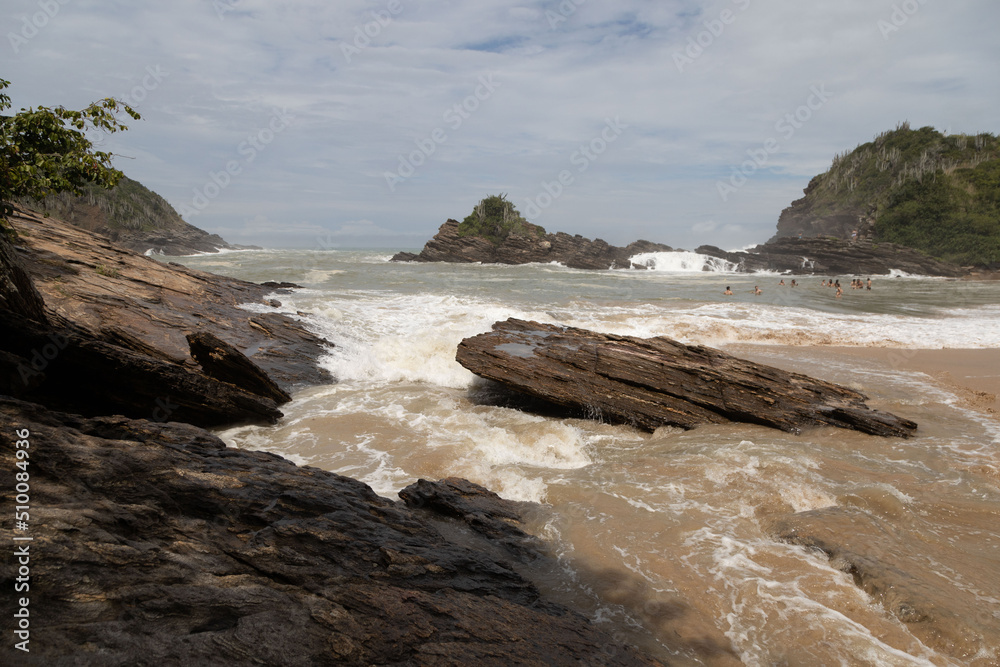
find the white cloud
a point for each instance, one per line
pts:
(704, 227)
(352, 120)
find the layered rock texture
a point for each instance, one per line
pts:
(576, 252)
(155, 544)
(134, 302)
(656, 382)
(830, 256)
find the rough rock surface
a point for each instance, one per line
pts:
(874, 552)
(124, 298)
(224, 362)
(655, 382)
(66, 368)
(155, 544)
(575, 252)
(17, 291)
(186, 240)
(834, 257)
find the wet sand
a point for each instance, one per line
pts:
(973, 375)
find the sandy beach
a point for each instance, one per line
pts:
(973, 374)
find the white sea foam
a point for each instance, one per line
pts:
(682, 262)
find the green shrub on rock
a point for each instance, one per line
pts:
(495, 218)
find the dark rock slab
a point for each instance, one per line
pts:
(482, 510)
(654, 382)
(224, 362)
(17, 290)
(155, 544)
(573, 251)
(67, 368)
(828, 256)
(908, 585)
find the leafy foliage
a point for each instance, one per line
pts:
(945, 217)
(919, 188)
(45, 151)
(495, 218)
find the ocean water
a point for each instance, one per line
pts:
(670, 539)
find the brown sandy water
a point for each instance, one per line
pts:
(675, 537)
(722, 545)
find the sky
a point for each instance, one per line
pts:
(317, 124)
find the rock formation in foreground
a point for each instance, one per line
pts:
(576, 252)
(152, 543)
(155, 544)
(122, 298)
(656, 382)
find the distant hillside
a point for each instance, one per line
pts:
(131, 215)
(919, 188)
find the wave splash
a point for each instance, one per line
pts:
(680, 261)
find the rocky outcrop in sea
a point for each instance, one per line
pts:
(828, 256)
(807, 256)
(576, 252)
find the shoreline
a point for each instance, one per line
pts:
(973, 374)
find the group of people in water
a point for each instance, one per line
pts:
(856, 283)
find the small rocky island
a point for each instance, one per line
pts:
(574, 251)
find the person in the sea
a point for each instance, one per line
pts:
(794, 284)
(824, 282)
(756, 290)
(840, 291)
(728, 291)
(869, 284)
(782, 283)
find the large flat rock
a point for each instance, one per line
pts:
(656, 382)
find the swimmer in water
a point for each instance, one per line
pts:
(728, 291)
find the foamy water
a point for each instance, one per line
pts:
(668, 537)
